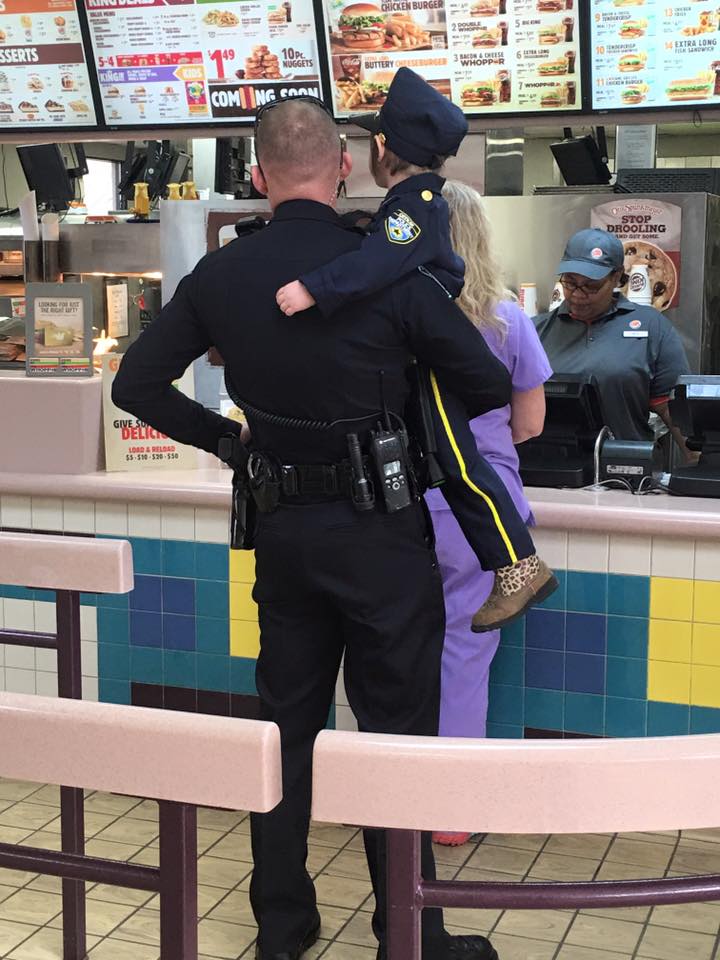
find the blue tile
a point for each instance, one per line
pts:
(544, 669)
(114, 691)
(46, 596)
(330, 725)
(584, 713)
(584, 673)
(114, 661)
(213, 672)
(627, 678)
(147, 555)
(627, 637)
(212, 598)
(668, 719)
(628, 596)
(18, 593)
(625, 718)
(508, 666)
(113, 601)
(146, 665)
(557, 600)
(113, 626)
(544, 709)
(145, 629)
(147, 594)
(212, 561)
(545, 629)
(504, 731)
(178, 558)
(587, 592)
(704, 720)
(178, 596)
(505, 704)
(212, 636)
(513, 635)
(178, 633)
(88, 599)
(242, 675)
(586, 633)
(180, 669)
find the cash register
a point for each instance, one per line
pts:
(695, 410)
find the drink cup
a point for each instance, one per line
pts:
(639, 289)
(528, 298)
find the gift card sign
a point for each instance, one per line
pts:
(58, 324)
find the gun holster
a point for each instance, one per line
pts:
(243, 517)
(264, 478)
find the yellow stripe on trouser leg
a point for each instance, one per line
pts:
(463, 470)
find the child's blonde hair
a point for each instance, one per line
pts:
(471, 239)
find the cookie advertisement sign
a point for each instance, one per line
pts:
(651, 232)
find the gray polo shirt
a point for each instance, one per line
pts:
(634, 353)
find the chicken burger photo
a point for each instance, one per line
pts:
(635, 94)
(631, 62)
(362, 26)
(632, 29)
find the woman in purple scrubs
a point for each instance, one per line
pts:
(511, 336)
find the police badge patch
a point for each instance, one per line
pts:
(400, 228)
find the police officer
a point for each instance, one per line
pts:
(332, 575)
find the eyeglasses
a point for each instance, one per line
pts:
(584, 289)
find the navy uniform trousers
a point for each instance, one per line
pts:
(332, 581)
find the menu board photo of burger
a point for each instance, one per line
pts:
(488, 56)
(647, 54)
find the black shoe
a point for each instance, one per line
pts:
(463, 948)
(308, 940)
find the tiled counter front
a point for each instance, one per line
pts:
(628, 646)
(185, 638)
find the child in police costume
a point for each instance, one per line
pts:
(414, 132)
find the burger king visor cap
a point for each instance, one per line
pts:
(593, 254)
(418, 123)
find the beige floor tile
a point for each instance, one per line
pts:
(50, 885)
(112, 949)
(708, 836)
(218, 872)
(319, 858)
(46, 944)
(568, 952)
(640, 852)
(669, 837)
(13, 934)
(502, 859)
(133, 898)
(535, 924)
(477, 920)
(13, 834)
(602, 933)
(591, 845)
(342, 891)
(207, 838)
(663, 944)
(348, 863)
(690, 860)
(626, 871)
(111, 849)
(128, 830)
(462, 931)
(110, 803)
(102, 917)
(94, 823)
(145, 810)
(224, 940)
(700, 917)
(331, 835)
(358, 931)
(521, 841)
(233, 846)
(31, 906)
(520, 948)
(208, 899)
(141, 926)
(454, 855)
(490, 876)
(49, 795)
(635, 914)
(357, 843)
(233, 908)
(6, 891)
(223, 820)
(30, 816)
(16, 789)
(349, 951)
(149, 856)
(44, 840)
(15, 878)
(550, 866)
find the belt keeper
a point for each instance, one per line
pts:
(289, 481)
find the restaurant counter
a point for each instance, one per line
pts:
(628, 646)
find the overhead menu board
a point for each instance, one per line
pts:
(488, 56)
(652, 54)
(43, 73)
(171, 62)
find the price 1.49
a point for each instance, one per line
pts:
(219, 58)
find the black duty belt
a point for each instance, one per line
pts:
(316, 481)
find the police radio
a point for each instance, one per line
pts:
(389, 456)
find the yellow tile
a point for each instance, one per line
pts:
(707, 602)
(669, 682)
(242, 605)
(242, 566)
(706, 644)
(244, 639)
(671, 599)
(670, 640)
(705, 687)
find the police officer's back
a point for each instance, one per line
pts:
(330, 578)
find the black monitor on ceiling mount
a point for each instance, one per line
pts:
(155, 162)
(582, 160)
(51, 174)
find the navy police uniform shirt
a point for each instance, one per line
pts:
(411, 229)
(633, 351)
(324, 370)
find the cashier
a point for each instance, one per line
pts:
(633, 351)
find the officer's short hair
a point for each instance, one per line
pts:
(297, 136)
(394, 164)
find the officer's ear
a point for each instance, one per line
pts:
(346, 165)
(380, 146)
(258, 180)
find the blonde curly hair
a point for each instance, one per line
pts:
(471, 237)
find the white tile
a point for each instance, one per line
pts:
(673, 557)
(19, 614)
(111, 519)
(45, 617)
(2, 613)
(588, 552)
(212, 525)
(90, 689)
(16, 511)
(22, 658)
(345, 719)
(78, 516)
(2, 654)
(177, 523)
(630, 554)
(89, 658)
(144, 520)
(707, 560)
(341, 699)
(19, 681)
(2, 678)
(46, 684)
(552, 546)
(46, 660)
(88, 623)
(47, 513)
